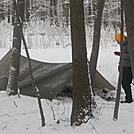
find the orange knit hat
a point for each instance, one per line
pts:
(118, 36)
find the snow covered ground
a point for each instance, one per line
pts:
(21, 115)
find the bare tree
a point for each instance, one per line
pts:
(96, 40)
(27, 10)
(12, 88)
(65, 13)
(116, 109)
(9, 13)
(81, 109)
(13, 75)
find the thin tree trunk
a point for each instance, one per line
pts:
(116, 109)
(65, 13)
(9, 13)
(27, 9)
(81, 90)
(55, 14)
(96, 40)
(51, 12)
(30, 67)
(12, 13)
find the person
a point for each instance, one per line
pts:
(126, 68)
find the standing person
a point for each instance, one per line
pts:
(126, 67)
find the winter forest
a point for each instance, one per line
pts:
(47, 20)
(76, 37)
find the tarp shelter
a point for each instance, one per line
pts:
(50, 78)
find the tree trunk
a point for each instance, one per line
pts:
(8, 13)
(12, 88)
(21, 35)
(51, 13)
(81, 90)
(96, 40)
(116, 108)
(129, 15)
(55, 14)
(15, 62)
(65, 13)
(27, 9)
(20, 6)
(12, 12)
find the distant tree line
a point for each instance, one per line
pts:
(57, 12)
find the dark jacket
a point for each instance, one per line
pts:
(125, 56)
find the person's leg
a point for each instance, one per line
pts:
(126, 83)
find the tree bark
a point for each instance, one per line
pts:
(116, 108)
(8, 13)
(81, 88)
(12, 88)
(96, 40)
(27, 9)
(129, 15)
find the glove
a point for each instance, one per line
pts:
(117, 53)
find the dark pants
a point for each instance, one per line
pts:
(126, 83)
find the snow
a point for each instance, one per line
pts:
(21, 115)
(58, 55)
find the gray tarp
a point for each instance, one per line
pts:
(50, 78)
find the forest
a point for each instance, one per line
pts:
(79, 24)
(51, 19)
